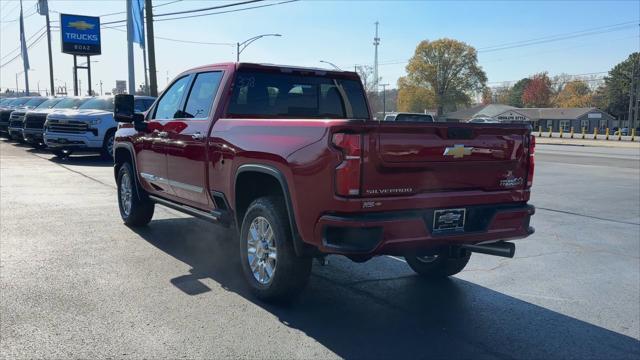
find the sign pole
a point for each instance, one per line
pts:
(89, 73)
(132, 77)
(75, 76)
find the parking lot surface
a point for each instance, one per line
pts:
(75, 282)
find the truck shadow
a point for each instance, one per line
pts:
(381, 310)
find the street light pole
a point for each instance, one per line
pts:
(240, 46)
(332, 64)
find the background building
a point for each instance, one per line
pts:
(554, 118)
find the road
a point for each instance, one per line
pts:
(75, 282)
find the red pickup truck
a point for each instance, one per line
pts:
(292, 160)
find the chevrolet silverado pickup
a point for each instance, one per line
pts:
(17, 118)
(33, 124)
(89, 128)
(291, 159)
(23, 103)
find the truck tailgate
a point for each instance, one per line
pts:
(410, 158)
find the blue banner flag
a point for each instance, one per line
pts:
(137, 17)
(23, 44)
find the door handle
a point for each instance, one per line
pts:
(197, 136)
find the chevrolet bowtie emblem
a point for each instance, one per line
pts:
(457, 151)
(81, 25)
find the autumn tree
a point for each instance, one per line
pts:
(412, 98)
(537, 93)
(446, 68)
(516, 91)
(487, 96)
(575, 93)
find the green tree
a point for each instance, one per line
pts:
(617, 86)
(449, 69)
(487, 96)
(515, 94)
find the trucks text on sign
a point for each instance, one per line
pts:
(80, 34)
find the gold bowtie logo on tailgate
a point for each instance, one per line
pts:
(457, 151)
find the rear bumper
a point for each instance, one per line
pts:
(399, 232)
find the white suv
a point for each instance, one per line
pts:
(90, 128)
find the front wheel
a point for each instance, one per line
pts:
(135, 209)
(107, 145)
(438, 265)
(269, 263)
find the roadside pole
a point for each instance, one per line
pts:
(43, 9)
(132, 76)
(151, 50)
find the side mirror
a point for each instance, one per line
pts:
(123, 110)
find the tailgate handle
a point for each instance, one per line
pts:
(459, 133)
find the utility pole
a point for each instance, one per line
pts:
(376, 42)
(43, 9)
(131, 68)
(100, 87)
(25, 63)
(634, 96)
(151, 50)
(384, 100)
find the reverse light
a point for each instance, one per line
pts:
(532, 163)
(348, 172)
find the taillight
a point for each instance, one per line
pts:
(348, 172)
(532, 163)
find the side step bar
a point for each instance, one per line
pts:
(215, 216)
(500, 248)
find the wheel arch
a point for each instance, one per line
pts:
(124, 153)
(273, 179)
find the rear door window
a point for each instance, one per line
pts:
(202, 93)
(268, 94)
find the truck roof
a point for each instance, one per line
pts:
(283, 68)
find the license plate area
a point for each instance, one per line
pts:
(449, 220)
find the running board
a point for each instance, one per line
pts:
(215, 216)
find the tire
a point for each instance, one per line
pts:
(134, 210)
(437, 266)
(107, 145)
(273, 250)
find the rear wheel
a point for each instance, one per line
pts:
(269, 263)
(135, 209)
(438, 265)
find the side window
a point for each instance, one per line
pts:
(202, 93)
(169, 104)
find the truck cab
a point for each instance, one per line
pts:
(291, 160)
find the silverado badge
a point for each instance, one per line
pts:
(457, 151)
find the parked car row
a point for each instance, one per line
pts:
(64, 124)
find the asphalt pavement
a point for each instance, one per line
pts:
(76, 283)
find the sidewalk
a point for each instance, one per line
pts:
(612, 142)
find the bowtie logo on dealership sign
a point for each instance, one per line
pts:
(80, 34)
(458, 151)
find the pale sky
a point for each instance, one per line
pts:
(587, 36)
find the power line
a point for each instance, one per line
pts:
(18, 48)
(175, 40)
(167, 3)
(28, 47)
(229, 11)
(557, 35)
(208, 14)
(207, 9)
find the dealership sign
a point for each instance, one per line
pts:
(80, 34)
